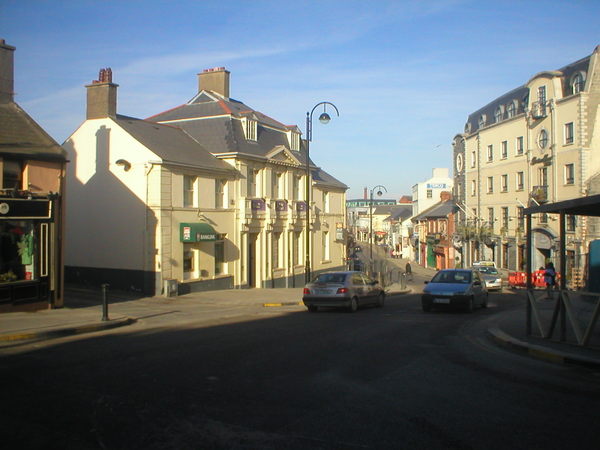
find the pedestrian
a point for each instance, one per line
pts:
(549, 279)
(408, 271)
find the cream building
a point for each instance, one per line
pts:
(535, 144)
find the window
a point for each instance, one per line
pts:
(543, 139)
(250, 127)
(473, 187)
(570, 222)
(521, 217)
(191, 257)
(276, 178)
(297, 256)
(11, 174)
(504, 149)
(296, 188)
(569, 133)
(325, 238)
(473, 158)
(511, 110)
(277, 255)
(498, 114)
(220, 193)
(505, 217)
(490, 153)
(252, 182)
(491, 217)
(429, 193)
(504, 183)
(18, 257)
(542, 95)
(326, 202)
(543, 218)
(189, 191)
(543, 176)
(569, 174)
(481, 121)
(520, 181)
(519, 149)
(578, 83)
(294, 141)
(490, 185)
(220, 256)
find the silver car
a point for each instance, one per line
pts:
(455, 288)
(350, 290)
(491, 276)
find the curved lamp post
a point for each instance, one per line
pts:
(379, 194)
(324, 118)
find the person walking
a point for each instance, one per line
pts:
(549, 279)
(408, 271)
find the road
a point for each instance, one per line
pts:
(283, 378)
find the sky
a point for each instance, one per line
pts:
(404, 75)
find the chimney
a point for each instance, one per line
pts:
(7, 73)
(365, 194)
(445, 196)
(102, 96)
(215, 79)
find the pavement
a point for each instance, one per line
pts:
(83, 313)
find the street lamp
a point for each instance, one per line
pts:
(379, 194)
(324, 118)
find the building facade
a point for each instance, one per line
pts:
(268, 198)
(32, 188)
(535, 144)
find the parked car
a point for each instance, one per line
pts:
(484, 264)
(455, 288)
(491, 276)
(350, 290)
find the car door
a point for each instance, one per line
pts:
(358, 286)
(370, 289)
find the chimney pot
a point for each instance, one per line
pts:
(102, 96)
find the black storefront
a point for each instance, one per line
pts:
(28, 274)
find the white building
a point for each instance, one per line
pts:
(427, 193)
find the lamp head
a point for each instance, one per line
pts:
(324, 118)
(379, 193)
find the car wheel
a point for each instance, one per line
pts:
(353, 304)
(312, 308)
(485, 301)
(381, 300)
(470, 305)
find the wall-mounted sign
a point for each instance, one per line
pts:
(281, 205)
(197, 232)
(300, 206)
(258, 204)
(545, 160)
(436, 185)
(25, 209)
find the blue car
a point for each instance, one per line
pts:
(455, 288)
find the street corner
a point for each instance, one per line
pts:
(56, 333)
(541, 352)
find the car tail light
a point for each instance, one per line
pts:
(306, 291)
(342, 290)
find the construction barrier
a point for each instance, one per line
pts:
(519, 279)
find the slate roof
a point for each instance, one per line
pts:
(400, 213)
(437, 211)
(521, 95)
(171, 144)
(20, 135)
(212, 120)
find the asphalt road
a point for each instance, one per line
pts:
(283, 378)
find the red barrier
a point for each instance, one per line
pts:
(519, 279)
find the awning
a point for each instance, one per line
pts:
(197, 232)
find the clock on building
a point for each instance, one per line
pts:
(459, 162)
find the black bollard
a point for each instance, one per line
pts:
(104, 302)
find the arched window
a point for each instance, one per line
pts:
(543, 139)
(498, 115)
(482, 121)
(577, 83)
(511, 109)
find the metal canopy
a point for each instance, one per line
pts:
(582, 206)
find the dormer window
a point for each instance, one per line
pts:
(498, 115)
(249, 126)
(482, 121)
(511, 109)
(468, 127)
(294, 141)
(578, 82)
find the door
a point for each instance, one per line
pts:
(252, 259)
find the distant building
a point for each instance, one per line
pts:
(427, 193)
(32, 182)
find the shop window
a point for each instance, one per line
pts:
(17, 251)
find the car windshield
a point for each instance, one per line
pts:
(452, 276)
(488, 270)
(331, 278)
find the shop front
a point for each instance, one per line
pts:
(28, 277)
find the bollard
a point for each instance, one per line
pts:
(104, 302)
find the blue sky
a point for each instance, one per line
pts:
(404, 74)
